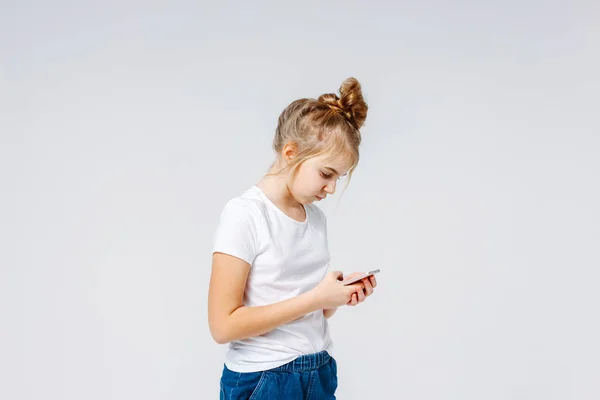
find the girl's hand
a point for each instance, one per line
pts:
(359, 296)
(330, 293)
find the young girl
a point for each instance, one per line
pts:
(270, 294)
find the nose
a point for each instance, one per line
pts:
(330, 188)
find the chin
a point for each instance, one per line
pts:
(307, 201)
(304, 200)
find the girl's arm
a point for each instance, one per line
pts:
(328, 312)
(230, 320)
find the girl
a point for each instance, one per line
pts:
(270, 294)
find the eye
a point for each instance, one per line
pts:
(326, 176)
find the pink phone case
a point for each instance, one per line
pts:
(359, 277)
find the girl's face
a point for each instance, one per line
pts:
(317, 177)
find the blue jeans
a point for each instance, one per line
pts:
(312, 376)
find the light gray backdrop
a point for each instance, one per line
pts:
(126, 126)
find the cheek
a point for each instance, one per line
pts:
(308, 181)
(302, 180)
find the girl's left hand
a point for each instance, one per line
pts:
(364, 288)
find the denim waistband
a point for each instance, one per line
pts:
(307, 362)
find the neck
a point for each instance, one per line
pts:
(275, 187)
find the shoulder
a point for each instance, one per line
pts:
(248, 205)
(238, 231)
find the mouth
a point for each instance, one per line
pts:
(320, 197)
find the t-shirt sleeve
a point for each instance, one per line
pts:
(236, 234)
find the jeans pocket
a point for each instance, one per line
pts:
(257, 390)
(239, 385)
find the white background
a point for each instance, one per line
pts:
(126, 126)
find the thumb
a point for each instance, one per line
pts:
(337, 275)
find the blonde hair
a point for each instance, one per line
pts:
(326, 125)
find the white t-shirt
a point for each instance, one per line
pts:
(287, 258)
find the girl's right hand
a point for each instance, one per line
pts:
(330, 293)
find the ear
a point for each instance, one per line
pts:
(289, 151)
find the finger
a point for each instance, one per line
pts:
(354, 299)
(351, 298)
(361, 296)
(368, 287)
(373, 280)
(353, 274)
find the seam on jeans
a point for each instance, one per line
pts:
(332, 368)
(260, 383)
(334, 379)
(311, 383)
(236, 385)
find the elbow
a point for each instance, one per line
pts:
(223, 328)
(220, 333)
(219, 338)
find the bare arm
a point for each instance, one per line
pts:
(328, 312)
(230, 320)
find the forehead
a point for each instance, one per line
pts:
(339, 163)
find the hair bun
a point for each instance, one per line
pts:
(351, 103)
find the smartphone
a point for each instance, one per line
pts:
(359, 277)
